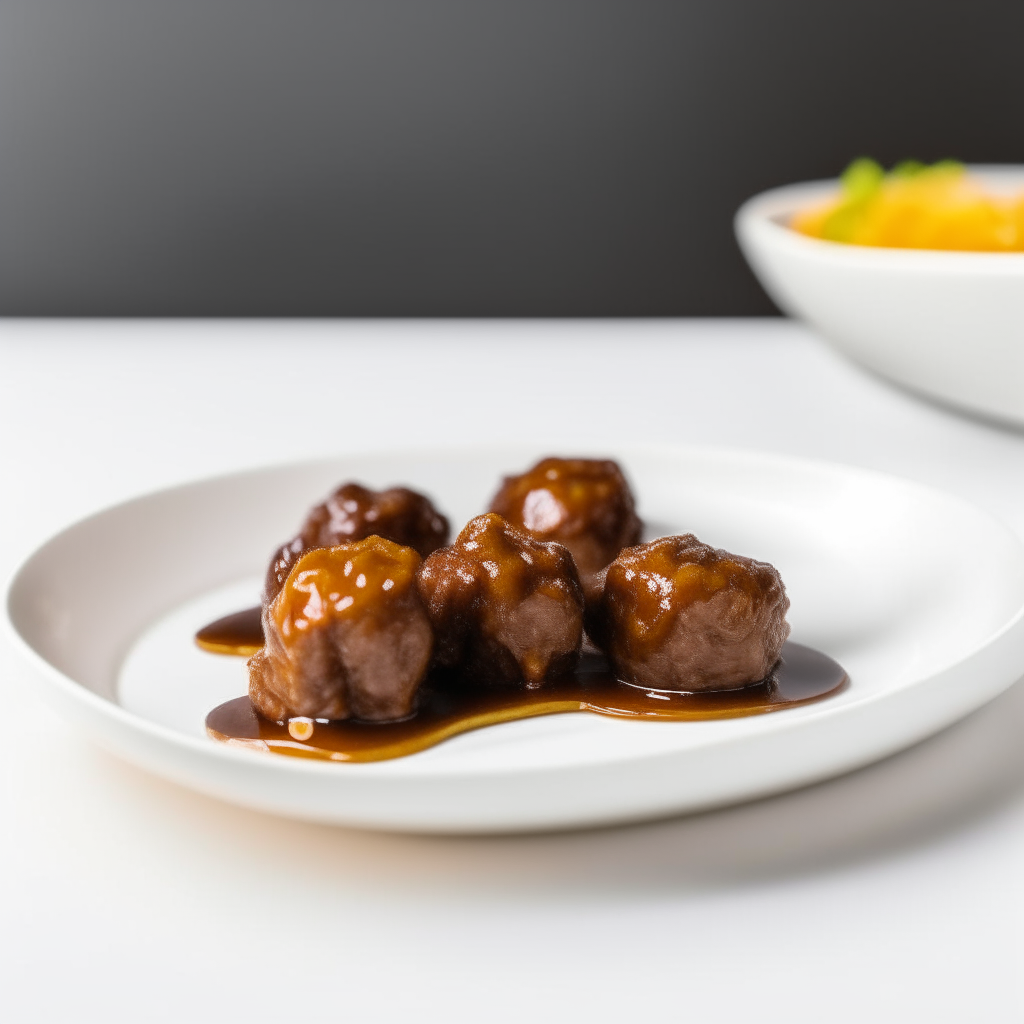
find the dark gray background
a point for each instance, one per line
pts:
(455, 157)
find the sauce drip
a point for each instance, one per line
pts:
(448, 707)
(240, 633)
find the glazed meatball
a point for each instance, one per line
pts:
(506, 608)
(585, 504)
(676, 614)
(346, 637)
(353, 512)
(281, 565)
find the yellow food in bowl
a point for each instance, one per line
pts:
(916, 207)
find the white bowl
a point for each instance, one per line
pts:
(947, 324)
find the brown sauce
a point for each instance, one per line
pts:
(240, 633)
(448, 708)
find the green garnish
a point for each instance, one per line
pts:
(908, 169)
(862, 181)
(946, 167)
(863, 177)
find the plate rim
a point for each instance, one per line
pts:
(71, 691)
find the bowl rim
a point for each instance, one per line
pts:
(761, 217)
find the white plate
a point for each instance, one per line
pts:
(918, 594)
(946, 324)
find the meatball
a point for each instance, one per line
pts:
(281, 564)
(676, 614)
(353, 512)
(585, 504)
(506, 608)
(346, 637)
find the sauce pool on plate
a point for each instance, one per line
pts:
(448, 707)
(240, 633)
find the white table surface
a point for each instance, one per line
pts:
(892, 894)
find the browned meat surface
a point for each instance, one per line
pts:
(585, 504)
(353, 512)
(281, 564)
(676, 614)
(506, 608)
(346, 637)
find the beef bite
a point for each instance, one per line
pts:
(676, 614)
(347, 636)
(353, 512)
(505, 607)
(585, 504)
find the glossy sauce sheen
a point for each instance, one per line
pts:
(240, 633)
(447, 708)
